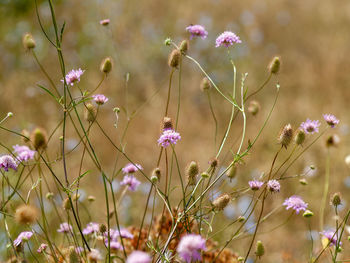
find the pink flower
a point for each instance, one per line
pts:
(100, 99)
(255, 185)
(310, 126)
(73, 76)
(7, 161)
(190, 247)
(42, 248)
(105, 22)
(331, 120)
(168, 137)
(227, 39)
(197, 31)
(22, 237)
(91, 228)
(131, 182)
(138, 257)
(273, 186)
(24, 153)
(131, 168)
(296, 203)
(65, 228)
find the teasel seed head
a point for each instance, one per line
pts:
(286, 135)
(26, 214)
(205, 84)
(90, 112)
(106, 65)
(174, 58)
(299, 137)
(28, 41)
(214, 162)
(184, 45)
(333, 141)
(221, 202)
(260, 250)
(39, 139)
(336, 199)
(254, 107)
(167, 123)
(102, 228)
(275, 65)
(191, 172)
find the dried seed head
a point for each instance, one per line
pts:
(28, 41)
(167, 123)
(299, 137)
(286, 135)
(39, 139)
(27, 136)
(260, 250)
(333, 141)
(191, 172)
(308, 213)
(336, 199)
(205, 84)
(90, 112)
(231, 173)
(214, 162)
(66, 204)
(174, 58)
(156, 175)
(102, 228)
(26, 214)
(221, 202)
(275, 65)
(254, 107)
(184, 46)
(106, 65)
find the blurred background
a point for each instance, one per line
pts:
(311, 37)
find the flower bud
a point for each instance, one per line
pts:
(308, 214)
(28, 41)
(90, 112)
(106, 65)
(167, 41)
(336, 199)
(286, 136)
(240, 259)
(254, 107)
(205, 175)
(303, 181)
(191, 172)
(299, 137)
(275, 65)
(231, 173)
(91, 198)
(213, 162)
(167, 123)
(155, 175)
(205, 84)
(184, 46)
(333, 141)
(66, 204)
(260, 250)
(221, 202)
(174, 58)
(49, 195)
(241, 219)
(75, 196)
(39, 139)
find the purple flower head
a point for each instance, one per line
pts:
(331, 120)
(100, 99)
(273, 186)
(227, 39)
(22, 237)
(7, 161)
(114, 245)
(105, 22)
(65, 228)
(255, 185)
(310, 126)
(190, 247)
(91, 228)
(131, 182)
(331, 236)
(197, 31)
(168, 137)
(42, 248)
(73, 76)
(24, 153)
(138, 257)
(296, 203)
(131, 168)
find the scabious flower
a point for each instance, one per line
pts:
(255, 185)
(42, 248)
(24, 153)
(168, 137)
(65, 228)
(138, 257)
(273, 186)
(296, 203)
(227, 39)
(131, 168)
(310, 126)
(131, 182)
(331, 236)
(197, 31)
(331, 120)
(91, 228)
(105, 22)
(7, 161)
(114, 245)
(190, 247)
(100, 99)
(73, 76)
(124, 233)
(22, 237)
